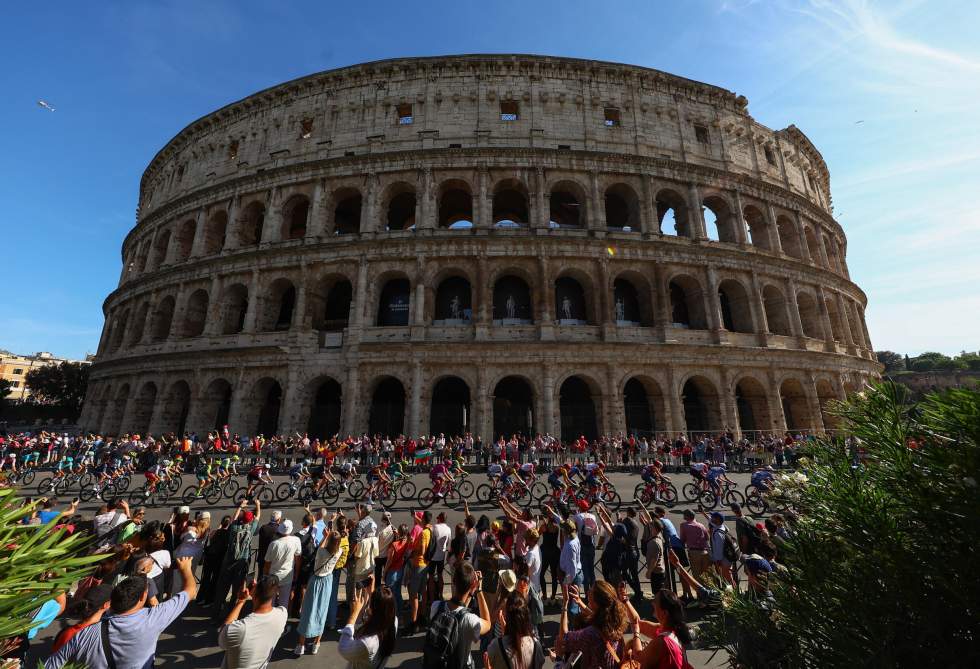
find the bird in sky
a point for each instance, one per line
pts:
(856, 122)
(42, 103)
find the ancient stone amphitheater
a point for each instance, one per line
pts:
(489, 243)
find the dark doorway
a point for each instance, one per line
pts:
(450, 410)
(639, 414)
(578, 414)
(513, 407)
(394, 303)
(387, 414)
(270, 395)
(325, 412)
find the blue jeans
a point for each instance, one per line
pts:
(332, 608)
(394, 581)
(588, 565)
(573, 607)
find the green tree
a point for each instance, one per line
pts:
(932, 361)
(893, 362)
(36, 563)
(63, 384)
(5, 387)
(970, 359)
(882, 567)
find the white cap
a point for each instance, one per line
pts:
(277, 516)
(285, 527)
(184, 509)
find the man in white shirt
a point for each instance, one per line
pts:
(385, 537)
(441, 535)
(282, 560)
(467, 583)
(248, 643)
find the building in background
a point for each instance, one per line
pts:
(14, 368)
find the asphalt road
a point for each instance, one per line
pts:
(192, 640)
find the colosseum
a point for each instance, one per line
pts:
(483, 243)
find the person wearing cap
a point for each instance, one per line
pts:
(267, 534)
(442, 534)
(234, 567)
(282, 560)
(719, 534)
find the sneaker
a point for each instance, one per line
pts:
(314, 649)
(299, 650)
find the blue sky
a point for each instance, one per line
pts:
(887, 91)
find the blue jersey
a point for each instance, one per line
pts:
(715, 473)
(760, 478)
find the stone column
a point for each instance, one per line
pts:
(272, 227)
(795, 321)
(483, 296)
(813, 405)
(822, 250)
(664, 315)
(418, 302)
(484, 409)
(360, 308)
(317, 223)
(351, 400)
(430, 209)
(845, 323)
(678, 422)
(774, 242)
(855, 320)
(739, 218)
(171, 253)
(200, 234)
(615, 408)
(775, 401)
(252, 311)
(239, 407)
(542, 205)
(300, 317)
(828, 330)
(369, 217)
(147, 337)
(548, 400)
(212, 322)
(648, 212)
(546, 308)
(293, 404)
(604, 302)
(482, 212)
(804, 248)
(698, 228)
(597, 208)
(864, 330)
(415, 411)
(729, 410)
(712, 305)
(232, 231)
(758, 305)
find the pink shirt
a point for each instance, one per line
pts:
(694, 535)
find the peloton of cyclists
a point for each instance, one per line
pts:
(716, 476)
(259, 474)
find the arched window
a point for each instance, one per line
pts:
(453, 302)
(578, 410)
(700, 402)
(836, 326)
(777, 314)
(387, 412)
(758, 228)
(639, 400)
(394, 303)
(789, 238)
(278, 306)
(176, 406)
(736, 312)
(119, 328)
(185, 239)
(622, 209)
(268, 397)
(510, 208)
(139, 324)
(672, 214)
(217, 403)
(215, 231)
(687, 303)
(626, 303)
(512, 301)
(141, 412)
(752, 407)
(809, 316)
(335, 314)
(163, 318)
(234, 307)
(565, 206)
(325, 411)
(196, 313)
(401, 209)
(813, 245)
(455, 205)
(719, 220)
(795, 407)
(252, 223)
(513, 407)
(160, 248)
(570, 303)
(450, 409)
(347, 212)
(295, 214)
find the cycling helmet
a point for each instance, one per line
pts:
(769, 468)
(235, 458)
(582, 505)
(447, 463)
(166, 463)
(723, 465)
(601, 465)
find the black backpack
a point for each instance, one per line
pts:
(441, 649)
(307, 548)
(430, 549)
(730, 548)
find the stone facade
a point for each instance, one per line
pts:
(493, 243)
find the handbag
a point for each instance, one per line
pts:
(628, 663)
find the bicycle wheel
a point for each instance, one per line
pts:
(123, 482)
(539, 491)
(330, 494)
(734, 497)
(28, 477)
(266, 496)
(138, 497)
(86, 494)
(755, 503)
(407, 490)
(707, 500)
(356, 489)
(484, 492)
(189, 496)
(230, 488)
(611, 499)
(452, 498)
(109, 492)
(284, 491)
(465, 489)
(213, 495)
(691, 491)
(669, 495)
(85, 480)
(45, 486)
(426, 498)
(387, 498)
(174, 483)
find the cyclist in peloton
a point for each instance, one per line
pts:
(153, 475)
(716, 475)
(438, 475)
(652, 474)
(347, 474)
(595, 476)
(526, 472)
(299, 471)
(377, 476)
(203, 474)
(699, 472)
(256, 475)
(763, 479)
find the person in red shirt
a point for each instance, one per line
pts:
(89, 609)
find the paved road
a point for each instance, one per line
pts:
(192, 640)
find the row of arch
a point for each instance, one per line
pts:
(455, 204)
(579, 406)
(515, 296)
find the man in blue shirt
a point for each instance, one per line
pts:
(48, 513)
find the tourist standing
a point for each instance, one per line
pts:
(248, 643)
(316, 602)
(282, 560)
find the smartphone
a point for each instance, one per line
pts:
(574, 659)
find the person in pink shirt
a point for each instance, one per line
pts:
(695, 538)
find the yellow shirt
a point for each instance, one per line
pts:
(344, 550)
(421, 545)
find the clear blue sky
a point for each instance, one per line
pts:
(126, 76)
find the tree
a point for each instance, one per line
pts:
(893, 362)
(882, 566)
(63, 384)
(970, 359)
(5, 387)
(932, 361)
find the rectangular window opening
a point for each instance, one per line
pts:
(233, 150)
(306, 128)
(509, 110)
(701, 134)
(455, 146)
(564, 147)
(348, 153)
(770, 156)
(612, 117)
(404, 114)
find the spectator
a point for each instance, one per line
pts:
(385, 536)
(307, 547)
(571, 561)
(89, 609)
(719, 536)
(248, 643)
(267, 534)
(316, 602)
(669, 635)
(600, 640)
(695, 537)
(466, 585)
(234, 566)
(517, 648)
(441, 535)
(395, 564)
(214, 552)
(132, 631)
(341, 526)
(587, 529)
(415, 569)
(372, 643)
(282, 560)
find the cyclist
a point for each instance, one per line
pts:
(65, 467)
(203, 473)
(763, 479)
(439, 474)
(153, 475)
(699, 472)
(348, 472)
(377, 476)
(595, 476)
(526, 472)
(298, 472)
(396, 469)
(494, 471)
(716, 476)
(257, 475)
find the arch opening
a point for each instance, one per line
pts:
(196, 313)
(752, 407)
(325, 411)
(332, 305)
(280, 304)
(736, 310)
(700, 402)
(394, 303)
(687, 304)
(450, 410)
(453, 304)
(347, 213)
(512, 301)
(401, 211)
(809, 316)
(176, 408)
(622, 209)
(215, 232)
(626, 303)
(295, 216)
(719, 220)
(789, 239)
(578, 410)
(638, 404)
(234, 309)
(672, 214)
(755, 221)
(795, 407)
(268, 395)
(777, 311)
(163, 318)
(513, 407)
(252, 224)
(387, 412)
(510, 205)
(185, 239)
(217, 403)
(565, 206)
(455, 205)
(570, 302)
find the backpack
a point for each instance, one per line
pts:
(589, 526)
(430, 549)
(307, 548)
(240, 541)
(730, 548)
(441, 649)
